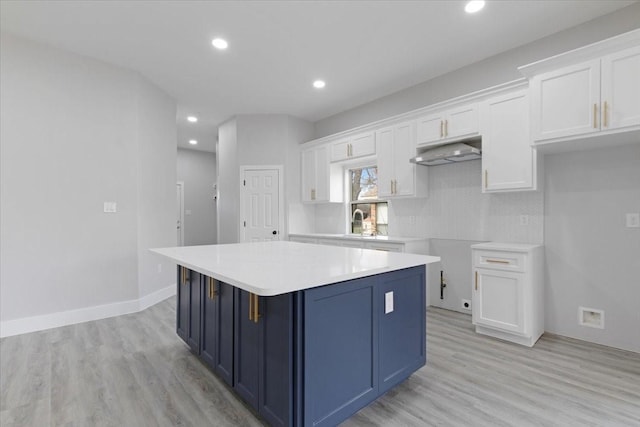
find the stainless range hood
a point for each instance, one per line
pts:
(449, 153)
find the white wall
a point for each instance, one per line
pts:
(592, 259)
(75, 133)
(490, 72)
(259, 139)
(197, 169)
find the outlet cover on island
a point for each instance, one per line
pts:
(110, 207)
(633, 220)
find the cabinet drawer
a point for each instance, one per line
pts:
(499, 260)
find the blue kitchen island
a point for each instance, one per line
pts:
(306, 334)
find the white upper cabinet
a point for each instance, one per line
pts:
(591, 91)
(509, 162)
(353, 147)
(397, 177)
(317, 176)
(620, 89)
(445, 126)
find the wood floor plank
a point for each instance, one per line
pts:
(134, 370)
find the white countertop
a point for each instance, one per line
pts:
(275, 268)
(390, 239)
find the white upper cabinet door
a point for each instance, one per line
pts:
(462, 122)
(431, 129)
(621, 89)
(566, 102)
(308, 175)
(386, 173)
(508, 160)
(447, 126)
(396, 175)
(340, 150)
(404, 149)
(315, 174)
(363, 145)
(353, 147)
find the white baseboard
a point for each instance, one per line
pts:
(63, 318)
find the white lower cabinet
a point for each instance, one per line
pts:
(508, 293)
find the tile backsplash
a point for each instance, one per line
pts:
(455, 209)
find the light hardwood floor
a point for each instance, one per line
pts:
(134, 371)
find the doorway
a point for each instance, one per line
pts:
(180, 213)
(262, 207)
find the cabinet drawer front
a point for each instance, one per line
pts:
(499, 260)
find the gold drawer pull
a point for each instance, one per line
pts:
(254, 311)
(595, 116)
(476, 280)
(498, 261)
(211, 284)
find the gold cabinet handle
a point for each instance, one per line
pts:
(256, 308)
(446, 128)
(605, 113)
(395, 186)
(497, 261)
(595, 116)
(476, 280)
(212, 287)
(486, 178)
(185, 279)
(313, 194)
(441, 129)
(250, 306)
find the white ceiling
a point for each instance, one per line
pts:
(363, 49)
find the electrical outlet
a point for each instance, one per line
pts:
(110, 207)
(633, 220)
(466, 304)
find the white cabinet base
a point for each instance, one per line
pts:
(509, 336)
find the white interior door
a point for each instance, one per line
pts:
(180, 213)
(261, 207)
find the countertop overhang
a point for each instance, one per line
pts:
(279, 267)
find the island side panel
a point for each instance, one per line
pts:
(340, 350)
(402, 326)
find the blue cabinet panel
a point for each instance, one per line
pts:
(340, 350)
(224, 332)
(193, 330)
(208, 314)
(276, 363)
(183, 306)
(402, 332)
(246, 351)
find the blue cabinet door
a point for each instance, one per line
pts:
(208, 327)
(276, 359)
(182, 306)
(224, 332)
(402, 330)
(194, 285)
(188, 312)
(263, 357)
(246, 374)
(340, 350)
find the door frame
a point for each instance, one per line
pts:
(280, 169)
(181, 209)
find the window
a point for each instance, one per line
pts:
(368, 215)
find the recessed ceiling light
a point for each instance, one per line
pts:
(220, 43)
(193, 142)
(474, 6)
(319, 84)
(192, 119)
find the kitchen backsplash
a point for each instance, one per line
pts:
(456, 209)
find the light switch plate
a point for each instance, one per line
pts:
(388, 302)
(110, 207)
(633, 220)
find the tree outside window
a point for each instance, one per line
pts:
(368, 216)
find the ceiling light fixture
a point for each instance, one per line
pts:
(193, 142)
(319, 84)
(474, 6)
(220, 44)
(192, 119)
